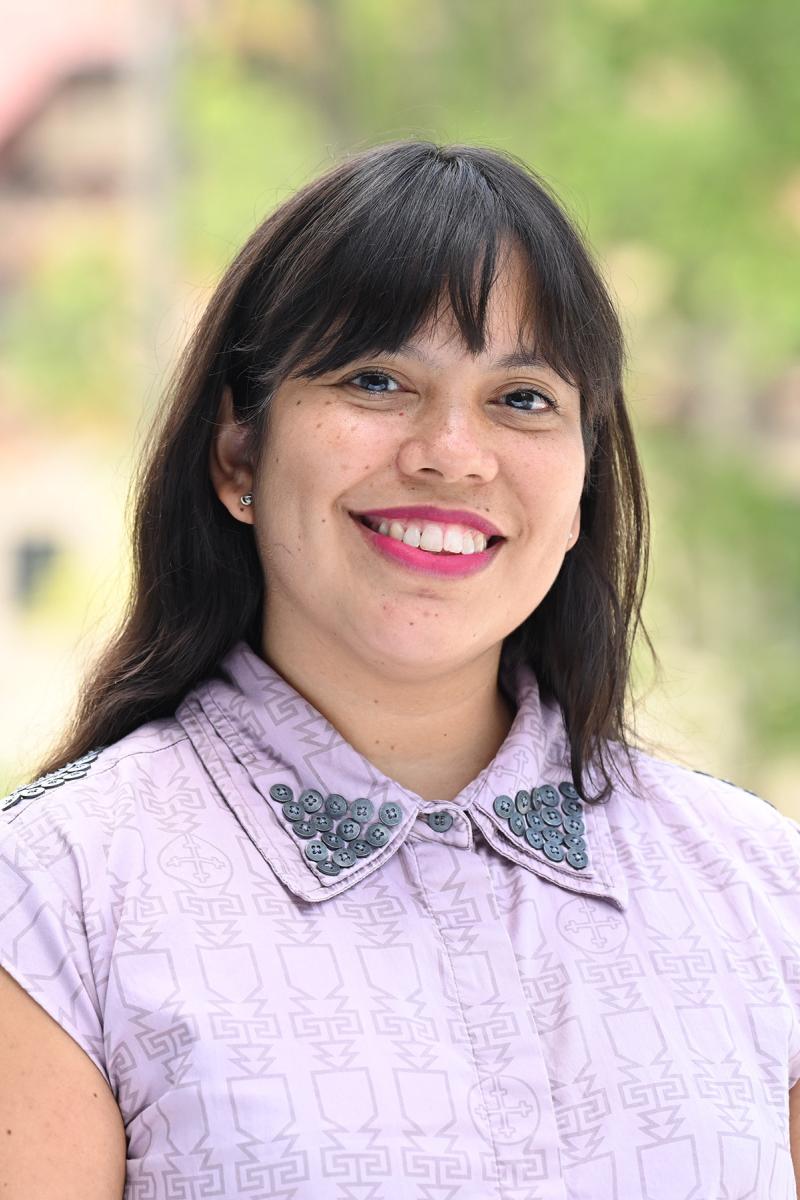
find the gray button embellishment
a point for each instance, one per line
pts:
(440, 821)
(390, 813)
(348, 829)
(378, 835)
(77, 769)
(362, 810)
(337, 834)
(335, 805)
(549, 819)
(503, 806)
(312, 800)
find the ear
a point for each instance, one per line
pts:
(229, 462)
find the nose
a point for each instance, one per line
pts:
(452, 439)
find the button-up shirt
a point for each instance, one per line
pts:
(302, 980)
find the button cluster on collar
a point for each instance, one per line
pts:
(71, 770)
(336, 833)
(549, 819)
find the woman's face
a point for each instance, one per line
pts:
(429, 426)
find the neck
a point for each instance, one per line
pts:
(432, 735)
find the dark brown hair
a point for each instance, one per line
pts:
(354, 263)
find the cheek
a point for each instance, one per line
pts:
(551, 483)
(311, 460)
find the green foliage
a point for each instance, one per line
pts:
(246, 146)
(68, 333)
(727, 571)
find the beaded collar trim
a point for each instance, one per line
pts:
(77, 769)
(335, 833)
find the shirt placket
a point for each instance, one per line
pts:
(510, 1104)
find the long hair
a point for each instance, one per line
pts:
(356, 262)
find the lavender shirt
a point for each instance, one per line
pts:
(520, 998)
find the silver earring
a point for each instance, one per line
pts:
(571, 536)
(248, 499)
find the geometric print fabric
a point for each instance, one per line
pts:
(462, 1019)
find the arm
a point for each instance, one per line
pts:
(794, 1131)
(61, 1133)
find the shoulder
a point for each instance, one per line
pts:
(86, 800)
(704, 817)
(695, 791)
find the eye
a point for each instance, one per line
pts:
(374, 381)
(531, 400)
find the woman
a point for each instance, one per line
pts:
(355, 885)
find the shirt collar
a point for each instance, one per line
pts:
(268, 748)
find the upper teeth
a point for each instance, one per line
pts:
(427, 535)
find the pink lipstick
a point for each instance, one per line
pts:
(425, 561)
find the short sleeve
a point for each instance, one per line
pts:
(44, 946)
(791, 959)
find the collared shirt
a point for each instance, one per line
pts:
(302, 980)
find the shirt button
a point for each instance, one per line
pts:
(550, 816)
(574, 840)
(361, 848)
(534, 837)
(440, 821)
(522, 800)
(304, 829)
(328, 867)
(554, 851)
(362, 810)
(573, 825)
(571, 807)
(553, 835)
(311, 800)
(336, 805)
(547, 794)
(517, 824)
(316, 851)
(344, 857)
(281, 792)
(534, 820)
(322, 822)
(577, 858)
(332, 841)
(292, 811)
(503, 806)
(348, 829)
(75, 772)
(569, 791)
(390, 813)
(377, 835)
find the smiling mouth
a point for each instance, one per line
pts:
(473, 543)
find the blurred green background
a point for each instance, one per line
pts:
(140, 142)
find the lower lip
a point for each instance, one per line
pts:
(425, 562)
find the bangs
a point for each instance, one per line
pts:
(366, 257)
(385, 246)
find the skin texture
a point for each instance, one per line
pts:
(61, 1132)
(794, 1131)
(405, 665)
